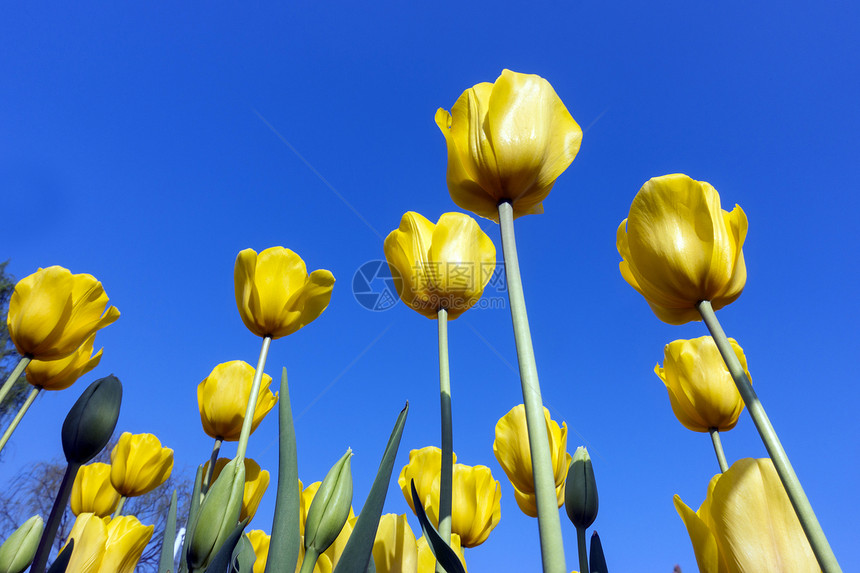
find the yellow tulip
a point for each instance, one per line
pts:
(90, 534)
(92, 491)
(52, 312)
(223, 396)
(476, 496)
(394, 548)
(512, 451)
(61, 373)
(126, 539)
(139, 464)
(446, 265)
(260, 542)
(256, 483)
(275, 294)
(701, 390)
(747, 523)
(507, 141)
(426, 559)
(680, 248)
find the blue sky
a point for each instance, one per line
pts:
(147, 145)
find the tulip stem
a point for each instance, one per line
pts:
(583, 549)
(310, 560)
(19, 368)
(252, 400)
(212, 459)
(817, 540)
(549, 524)
(446, 472)
(53, 523)
(718, 449)
(14, 424)
(118, 511)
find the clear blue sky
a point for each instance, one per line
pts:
(147, 145)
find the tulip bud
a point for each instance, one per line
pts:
(330, 508)
(92, 420)
(580, 490)
(18, 551)
(218, 515)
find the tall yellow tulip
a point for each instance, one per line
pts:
(747, 523)
(256, 483)
(476, 495)
(507, 141)
(92, 491)
(52, 312)
(426, 559)
(223, 396)
(139, 464)
(395, 549)
(680, 248)
(274, 293)
(511, 447)
(446, 265)
(61, 373)
(701, 390)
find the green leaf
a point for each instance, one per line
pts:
(598, 561)
(445, 556)
(224, 557)
(243, 556)
(59, 565)
(168, 539)
(356, 557)
(284, 545)
(192, 515)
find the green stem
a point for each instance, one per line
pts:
(212, 459)
(446, 484)
(17, 419)
(802, 507)
(718, 449)
(19, 368)
(252, 400)
(549, 525)
(53, 523)
(118, 511)
(310, 560)
(583, 550)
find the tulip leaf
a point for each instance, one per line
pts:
(243, 556)
(62, 561)
(445, 556)
(284, 546)
(192, 516)
(598, 561)
(356, 556)
(168, 539)
(224, 558)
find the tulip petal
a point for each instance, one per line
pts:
(704, 543)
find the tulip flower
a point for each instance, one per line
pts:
(701, 390)
(275, 294)
(747, 523)
(580, 490)
(476, 495)
(217, 516)
(222, 398)
(330, 508)
(52, 312)
(507, 141)
(260, 542)
(426, 559)
(256, 483)
(18, 550)
(512, 451)
(139, 464)
(680, 248)
(334, 550)
(395, 549)
(61, 373)
(442, 266)
(91, 421)
(92, 491)
(90, 534)
(105, 545)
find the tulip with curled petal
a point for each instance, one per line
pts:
(274, 293)
(222, 398)
(139, 464)
(679, 247)
(61, 373)
(256, 483)
(507, 141)
(52, 312)
(92, 491)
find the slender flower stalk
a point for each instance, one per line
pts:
(118, 511)
(252, 399)
(718, 449)
(447, 467)
(53, 523)
(17, 419)
(19, 368)
(583, 549)
(814, 533)
(549, 524)
(207, 479)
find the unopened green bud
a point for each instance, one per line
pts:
(218, 515)
(92, 420)
(330, 507)
(580, 490)
(18, 551)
